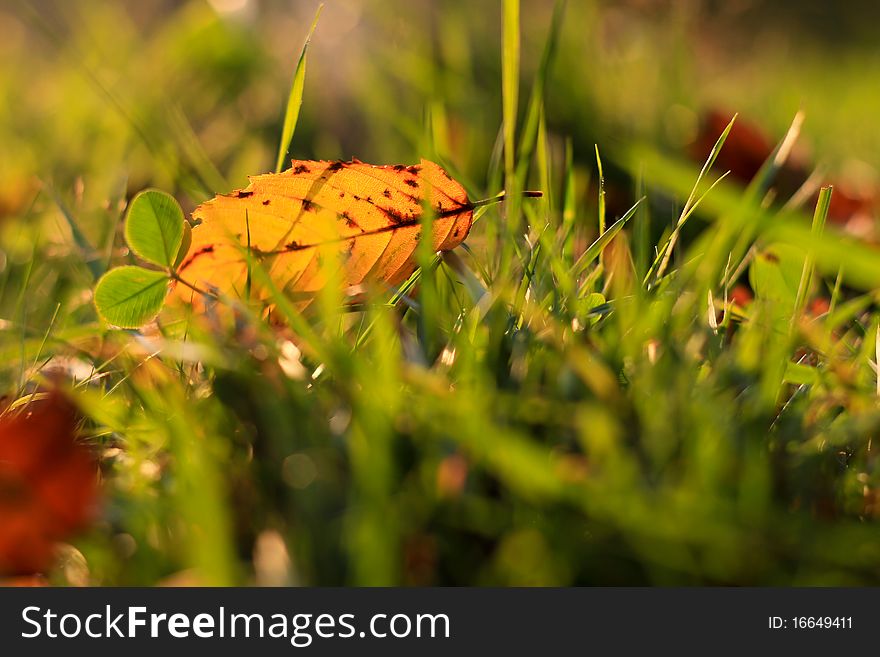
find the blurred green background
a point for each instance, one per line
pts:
(528, 460)
(105, 91)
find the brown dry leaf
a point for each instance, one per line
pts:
(48, 484)
(296, 221)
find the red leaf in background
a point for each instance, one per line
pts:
(744, 151)
(741, 295)
(48, 483)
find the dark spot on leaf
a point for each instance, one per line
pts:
(307, 205)
(301, 168)
(369, 199)
(412, 182)
(386, 193)
(455, 232)
(351, 223)
(414, 168)
(240, 193)
(392, 215)
(341, 194)
(336, 166)
(266, 202)
(292, 246)
(399, 167)
(771, 257)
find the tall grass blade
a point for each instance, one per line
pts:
(665, 252)
(528, 138)
(604, 239)
(510, 99)
(294, 100)
(819, 217)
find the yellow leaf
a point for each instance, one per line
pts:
(369, 216)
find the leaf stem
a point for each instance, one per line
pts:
(176, 277)
(500, 197)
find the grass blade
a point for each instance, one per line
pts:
(641, 230)
(821, 214)
(294, 101)
(569, 209)
(510, 85)
(665, 252)
(534, 113)
(604, 239)
(601, 191)
(601, 208)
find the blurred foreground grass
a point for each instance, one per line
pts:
(525, 415)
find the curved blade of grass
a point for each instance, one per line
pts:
(294, 101)
(760, 184)
(665, 251)
(604, 239)
(681, 223)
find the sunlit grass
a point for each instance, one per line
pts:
(573, 397)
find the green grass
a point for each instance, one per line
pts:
(522, 411)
